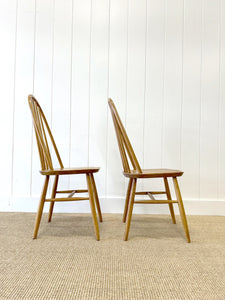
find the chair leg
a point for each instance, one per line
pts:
(169, 198)
(54, 188)
(92, 204)
(127, 200)
(130, 209)
(181, 208)
(40, 208)
(96, 197)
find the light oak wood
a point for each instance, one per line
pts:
(45, 142)
(181, 208)
(40, 208)
(92, 204)
(71, 192)
(168, 194)
(133, 171)
(69, 171)
(96, 197)
(130, 208)
(152, 192)
(152, 173)
(155, 201)
(52, 200)
(54, 188)
(127, 200)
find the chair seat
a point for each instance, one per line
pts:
(67, 171)
(153, 173)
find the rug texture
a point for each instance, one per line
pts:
(66, 262)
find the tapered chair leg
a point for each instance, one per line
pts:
(40, 208)
(181, 208)
(92, 204)
(95, 193)
(168, 194)
(54, 189)
(130, 209)
(127, 200)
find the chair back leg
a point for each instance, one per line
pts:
(168, 194)
(92, 204)
(181, 209)
(96, 197)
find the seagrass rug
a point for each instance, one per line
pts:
(66, 262)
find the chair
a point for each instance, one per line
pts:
(45, 142)
(128, 158)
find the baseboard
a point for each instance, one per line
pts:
(114, 205)
(192, 207)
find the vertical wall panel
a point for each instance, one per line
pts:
(61, 84)
(221, 160)
(80, 88)
(80, 82)
(191, 107)
(99, 90)
(209, 101)
(23, 87)
(8, 10)
(117, 91)
(161, 61)
(154, 83)
(42, 89)
(173, 84)
(136, 75)
(154, 89)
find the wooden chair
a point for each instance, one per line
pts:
(128, 158)
(45, 140)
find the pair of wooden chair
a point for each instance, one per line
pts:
(44, 136)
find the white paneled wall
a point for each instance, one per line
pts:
(163, 63)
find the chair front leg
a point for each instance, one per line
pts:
(130, 208)
(127, 200)
(96, 197)
(92, 204)
(181, 209)
(54, 189)
(41, 206)
(169, 198)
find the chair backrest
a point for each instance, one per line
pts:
(43, 135)
(126, 151)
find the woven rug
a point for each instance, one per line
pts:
(66, 262)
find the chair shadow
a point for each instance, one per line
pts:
(155, 227)
(81, 225)
(70, 225)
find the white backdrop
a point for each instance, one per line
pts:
(163, 63)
